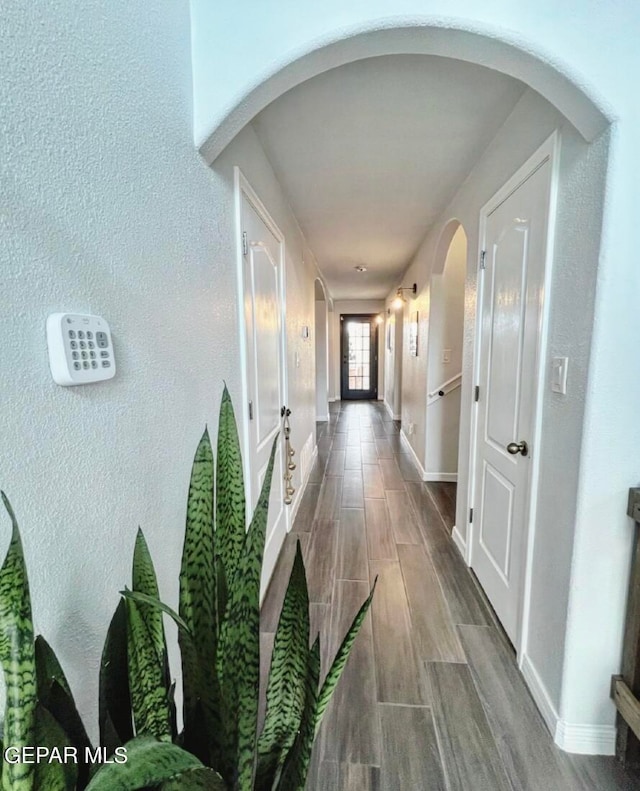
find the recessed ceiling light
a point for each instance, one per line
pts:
(360, 268)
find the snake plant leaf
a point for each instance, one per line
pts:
(62, 774)
(203, 779)
(55, 694)
(115, 716)
(149, 695)
(198, 602)
(149, 763)
(230, 500)
(338, 665)
(153, 601)
(238, 659)
(286, 689)
(145, 581)
(294, 773)
(17, 656)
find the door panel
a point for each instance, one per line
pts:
(359, 349)
(265, 380)
(515, 240)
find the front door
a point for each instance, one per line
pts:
(262, 279)
(512, 289)
(359, 351)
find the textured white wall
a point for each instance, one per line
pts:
(106, 207)
(446, 332)
(322, 360)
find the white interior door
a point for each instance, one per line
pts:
(263, 288)
(515, 242)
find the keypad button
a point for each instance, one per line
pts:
(72, 333)
(75, 355)
(76, 366)
(104, 354)
(73, 344)
(92, 355)
(84, 355)
(85, 365)
(80, 334)
(106, 364)
(89, 334)
(94, 364)
(91, 344)
(102, 340)
(83, 344)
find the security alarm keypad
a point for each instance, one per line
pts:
(80, 349)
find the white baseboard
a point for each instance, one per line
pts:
(459, 541)
(331, 400)
(451, 477)
(387, 406)
(412, 453)
(586, 739)
(322, 418)
(579, 738)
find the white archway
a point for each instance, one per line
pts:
(215, 129)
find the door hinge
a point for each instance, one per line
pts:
(476, 395)
(250, 410)
(470, 515)
(245, 244)
(483, 263)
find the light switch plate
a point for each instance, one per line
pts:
(559, 368)
(80, 349)
(446, 355)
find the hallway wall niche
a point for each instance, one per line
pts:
(444, 356)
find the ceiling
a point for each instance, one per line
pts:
(371, 153)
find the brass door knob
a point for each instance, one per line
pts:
(518, 447)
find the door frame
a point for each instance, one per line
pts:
(373, 348)
(242, 187)
(548, 151)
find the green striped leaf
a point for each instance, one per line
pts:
(54, 695)
(144, 580)
(286, 690)
(230, 500)
(294, 773)
(58, 775)
(198, 606)
(115, 715)
(238, 659)
(149, 763)
(149, 695)
(195, 780)
(338, 665)
(17, 655)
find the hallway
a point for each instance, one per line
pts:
(431, 697)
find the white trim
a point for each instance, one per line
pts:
(539, 693)
(333, 399)
(450, 477)
(413, 455)
(549, 150)
(459, 541)
(387, 406)
(580, 738)
(322, 418)
(586, 739)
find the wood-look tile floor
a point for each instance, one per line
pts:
(431, 698)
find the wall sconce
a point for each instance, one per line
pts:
(399, 301)
(379, 319)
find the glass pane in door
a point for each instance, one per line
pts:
(358, 333)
